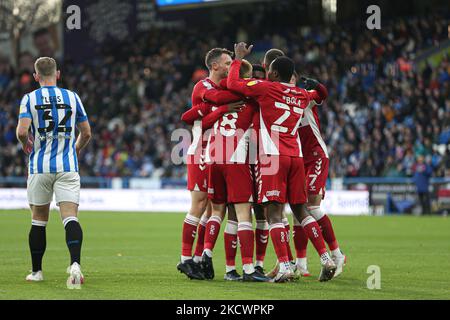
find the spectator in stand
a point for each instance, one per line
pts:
(380, 103)
(422, 174)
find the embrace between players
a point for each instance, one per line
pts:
(256, 143)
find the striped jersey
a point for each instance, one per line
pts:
(54, 114)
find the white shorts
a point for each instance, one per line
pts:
(65, 185)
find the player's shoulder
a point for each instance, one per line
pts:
(204, 83)
(28, 97)
(252, 82)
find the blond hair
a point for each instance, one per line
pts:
(45, 66)
(246, 69)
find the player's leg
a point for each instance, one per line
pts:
(287, 226)
(217, 194)
(198, 186)
(40, 194)
(262, 227)
(261, 236)
(300, 242)
(297, 199)
(327, 230)
(273, 193)
(67, 196)
(211, 234)
(247, 243)
(201, 233)
(279, 237)
(37, 240)
(230, 240)
(199, 201)
(317, 173)
(240, 192)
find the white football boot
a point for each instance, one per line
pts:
(76, 278)
(302, 271)
(285, 273)
(328, 268)
(35, 276)
(340, 262)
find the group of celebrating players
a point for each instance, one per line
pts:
(256, 145)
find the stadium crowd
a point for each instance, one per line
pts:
(382, 113)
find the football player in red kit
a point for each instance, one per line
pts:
(316, 168)
(230, 181)
(281, 176)
(218, 62)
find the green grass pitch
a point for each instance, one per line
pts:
(133, 256)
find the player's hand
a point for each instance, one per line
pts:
(235, 106)
(241, 50)
(309, 83)
(28, 147)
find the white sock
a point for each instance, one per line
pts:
(324, 258)
(302, 262)
(229, 268)
(197, 259)
(185, 258)
(259, 263)
(248, 268)
(208, 252)
(336, 253)
(284, 267)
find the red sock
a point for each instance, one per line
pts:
(312, 229)
(247, 241)
(279, 237)
(230, 237)
(212, 232)
(261, 239)
(188, 235)
(300, 241)
(328, 232)
(200, 238)
(288, 232)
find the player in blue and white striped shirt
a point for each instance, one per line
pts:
(53, 114)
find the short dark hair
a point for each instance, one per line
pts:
(258, 67)
(271, 55)
(214, 54)
(285, 68)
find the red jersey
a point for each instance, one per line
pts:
(281, 109)
(230, 136)
(312, 142)
(205, 91)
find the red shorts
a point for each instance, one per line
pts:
(230, 183)
(286, 184)
(197, 177)
(316, 170)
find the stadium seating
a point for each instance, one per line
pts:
(382, 112)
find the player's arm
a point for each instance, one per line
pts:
(219, 97)
(209, 120)
(84, 137)
(245, 87)
(223, 83)
(317, 91)
(23, 127)
(23, 136)
(196, 112)
(83, 126)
